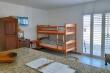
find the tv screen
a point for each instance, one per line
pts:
(23, 21)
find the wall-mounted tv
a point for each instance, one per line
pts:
(23, 21)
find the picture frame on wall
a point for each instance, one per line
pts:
(23, 21)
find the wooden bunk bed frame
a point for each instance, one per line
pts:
(69, 29)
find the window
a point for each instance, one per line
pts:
(97, 33)
(107, 33)
(93, 34)
(86, 33)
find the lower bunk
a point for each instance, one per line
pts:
(58, 47)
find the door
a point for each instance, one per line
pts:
(11, 42)
(86, 33)
(97, 35)
(10, 26)
(107, 33)
(11, 38)
(2, 36)
(92, 34)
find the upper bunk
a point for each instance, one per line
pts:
(67, 29)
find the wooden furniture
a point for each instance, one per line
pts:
(33, 44)
(24, 43)
(107, 59)
(63, 43)
(7, 57)
(8, 33)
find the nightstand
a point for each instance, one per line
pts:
(24, 43)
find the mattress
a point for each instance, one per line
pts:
(49, 28)
(60, 29)
(51, 41)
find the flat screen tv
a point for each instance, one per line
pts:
(23, 21)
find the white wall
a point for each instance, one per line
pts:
(36, 16)
(75, 13)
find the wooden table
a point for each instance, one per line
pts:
(26, 55)
(24, 43)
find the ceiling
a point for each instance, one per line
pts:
(47, 4)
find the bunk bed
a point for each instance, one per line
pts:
(57, 38)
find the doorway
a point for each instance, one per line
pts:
(96, 34)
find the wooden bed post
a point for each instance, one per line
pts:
(57, 37)
(65, 47)
(37, 31)
(37, 42)
(75, 38)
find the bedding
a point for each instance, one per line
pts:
(50, 28)
(51, 41)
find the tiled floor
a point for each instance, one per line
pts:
(90, 60)
(83, 59)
